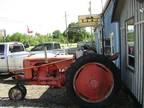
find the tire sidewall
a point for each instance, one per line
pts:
(70, 74)
(18, 88)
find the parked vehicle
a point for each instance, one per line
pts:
(71, 51)
(91, 80)
(11, 56)
(49, 47)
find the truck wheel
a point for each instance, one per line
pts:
(92, 81)
(16, 93)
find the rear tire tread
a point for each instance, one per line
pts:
(89, 59)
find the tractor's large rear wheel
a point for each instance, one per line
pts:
(92, 81)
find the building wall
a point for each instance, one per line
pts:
(111, 30)
(133, 78)
(98, 34)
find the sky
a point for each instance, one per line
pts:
(43, 16)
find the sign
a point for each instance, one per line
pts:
(89, 20)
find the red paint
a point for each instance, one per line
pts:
(93, 82)
(37, 72)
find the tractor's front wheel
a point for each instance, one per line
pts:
(17, 92)
(92, 81)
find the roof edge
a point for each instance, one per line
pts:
(114, 11)
(106, 6)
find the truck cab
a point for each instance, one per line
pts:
(49, 47)
(11, 56)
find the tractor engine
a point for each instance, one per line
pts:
(47, 71)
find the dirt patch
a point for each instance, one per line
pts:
(45, 97)
(37, 96)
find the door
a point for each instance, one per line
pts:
(16, 55)
(3, 59)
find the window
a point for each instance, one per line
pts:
(38, 48)
(49, 46)
(16, 48)
(56, 46)
(108, 46)
(130, 42)
(1, 49)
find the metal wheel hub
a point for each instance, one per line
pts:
(16, 94)
(93, 82)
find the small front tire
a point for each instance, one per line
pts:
(16, 93)
(23, 89)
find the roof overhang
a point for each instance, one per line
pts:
(118, 7)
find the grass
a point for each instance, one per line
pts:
(69, 45)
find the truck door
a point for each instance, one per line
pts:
(3, 59)
(16, 56)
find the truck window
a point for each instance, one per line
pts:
(56, 46)
(38, 48)
(1, 49)
(49, 46)
(16, 48)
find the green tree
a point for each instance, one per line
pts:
(75, 33)
(1, 39)
(56, 34)
(16, 37)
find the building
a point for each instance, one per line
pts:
(98, 34)
(130, 15)
(2, 33)
(109, 31)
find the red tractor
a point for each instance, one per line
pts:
(91, 80)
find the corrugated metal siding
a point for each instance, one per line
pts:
(133, 80)
(143, 66)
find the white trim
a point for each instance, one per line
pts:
(139, 22)
(130, 67)
(131, 56)
(127, 52)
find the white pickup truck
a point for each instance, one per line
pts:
(11, 56)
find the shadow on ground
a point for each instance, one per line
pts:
(56, 98)
(51, 98)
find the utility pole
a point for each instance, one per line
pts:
(66, 27)
(90, 16)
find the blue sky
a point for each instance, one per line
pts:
(43, 16)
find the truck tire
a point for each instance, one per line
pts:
(92, 81)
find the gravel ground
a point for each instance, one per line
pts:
(45, 97)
